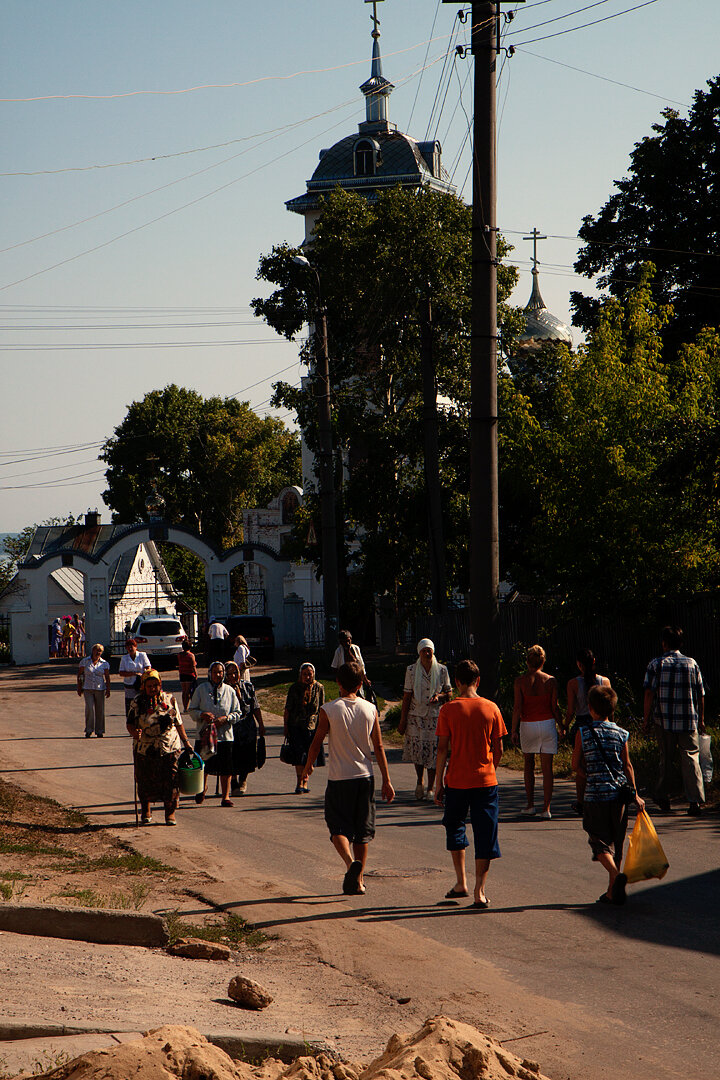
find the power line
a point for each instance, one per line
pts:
(133, 345)
(572, 29)
(604, 78)
(558, 18)
(212, 86)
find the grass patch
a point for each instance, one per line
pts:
(14, 875)
(231, 930)
(29, 847)
(132, 862)
(273, 689)
(13, 890)
(132, 900)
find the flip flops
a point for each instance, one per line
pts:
(481, 904)
(453, 894)
(351, 881)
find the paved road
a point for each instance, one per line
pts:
(588, 991)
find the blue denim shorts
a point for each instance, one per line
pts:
(482, 803)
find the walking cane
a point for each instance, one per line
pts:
(137, 816)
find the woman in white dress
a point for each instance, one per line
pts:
(427, 687)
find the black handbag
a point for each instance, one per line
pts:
(260, 752)
(286, 753)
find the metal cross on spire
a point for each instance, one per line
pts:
(535, 236)
(374, 16)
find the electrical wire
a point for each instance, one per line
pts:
(604, 78)
(583, 26)
(177, 209)
(214, 86)
(131, 345)
(427, 50)
(559, 18)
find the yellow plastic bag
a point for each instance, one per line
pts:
(645, 857)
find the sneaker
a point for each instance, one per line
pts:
(546, 816)
(528, 811)
(419, 792)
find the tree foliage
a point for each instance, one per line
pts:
(665, 211)
(610, 465)
(15, 547)
(212, 457)
(378, 262)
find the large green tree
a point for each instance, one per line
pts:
(665, 211)
(610, 465)
(211, 457)
(378, 263)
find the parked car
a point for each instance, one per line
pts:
(160, 635)
(257, 631)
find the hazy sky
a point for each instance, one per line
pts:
(148, 149)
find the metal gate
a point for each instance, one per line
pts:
(314, 625)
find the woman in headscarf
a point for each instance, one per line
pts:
(55, 639)
(427, 687)
(215, 707)
(304, 700)
(245, 730)
(154, 722)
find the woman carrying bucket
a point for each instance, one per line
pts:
(158, 733)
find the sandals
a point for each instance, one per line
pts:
(200, 797)
(146, 820)
(454, 894)
(481, 904)
(351, 881)
(170, 821)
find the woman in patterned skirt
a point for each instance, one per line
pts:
(158, 733)
(427, 687)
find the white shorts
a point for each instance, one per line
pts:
(538, 737)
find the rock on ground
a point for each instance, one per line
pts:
(441, 1050)
(198, 949)
(248, 993)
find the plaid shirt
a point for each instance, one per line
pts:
(678, 687)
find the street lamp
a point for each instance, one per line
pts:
(325, 463)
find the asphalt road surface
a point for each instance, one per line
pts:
(591, 992)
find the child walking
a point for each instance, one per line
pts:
(601, 754)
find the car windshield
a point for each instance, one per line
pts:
(161, 628)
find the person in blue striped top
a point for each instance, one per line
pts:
(601, 754)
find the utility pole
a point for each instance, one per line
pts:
(484, 548)
(438, 583)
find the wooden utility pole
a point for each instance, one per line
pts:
(484, 549)
(433, 495)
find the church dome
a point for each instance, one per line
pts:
(540, 324)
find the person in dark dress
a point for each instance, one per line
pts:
(304, 700)
(245, 730)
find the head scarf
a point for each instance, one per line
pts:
(151, 673)
(216, 686)
(435, 677)
(307, 664)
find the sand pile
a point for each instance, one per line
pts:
(441, 1050)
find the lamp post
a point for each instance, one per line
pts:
(325, 462)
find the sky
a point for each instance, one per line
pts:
(148, 149)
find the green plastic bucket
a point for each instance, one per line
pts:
(191, 773)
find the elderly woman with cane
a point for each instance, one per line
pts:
(158, 733)
(427, 687)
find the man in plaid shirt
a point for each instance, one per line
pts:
(675, 707)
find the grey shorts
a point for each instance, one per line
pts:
(350, 809)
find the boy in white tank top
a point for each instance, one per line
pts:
(354, 732)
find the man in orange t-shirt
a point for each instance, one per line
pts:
(472, 728)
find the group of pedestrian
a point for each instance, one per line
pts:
(455, 739)
(67, 637)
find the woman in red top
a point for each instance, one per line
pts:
(536, 714)
(188, 673)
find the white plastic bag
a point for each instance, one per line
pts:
(706, 761)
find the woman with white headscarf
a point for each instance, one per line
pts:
(427, 687)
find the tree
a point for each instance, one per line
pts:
(16, 547)
(665, 211)
(212, 457)
(377, 263)
(602, 507)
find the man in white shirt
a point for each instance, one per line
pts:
(217, 634)
(93, 682)
(132, 666)
(354, 730)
